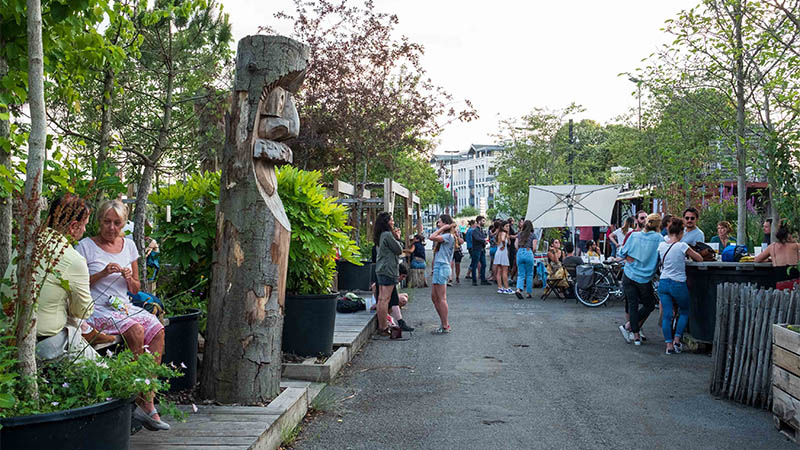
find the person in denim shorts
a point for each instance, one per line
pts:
(387, 266)
(446, 238)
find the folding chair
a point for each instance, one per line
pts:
(556, 284)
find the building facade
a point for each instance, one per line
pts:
(470, 176)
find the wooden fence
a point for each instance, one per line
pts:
(742, 352)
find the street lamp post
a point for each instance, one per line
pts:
(639, 95)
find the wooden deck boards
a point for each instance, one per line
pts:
(246, 427)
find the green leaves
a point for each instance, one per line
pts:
(319, 231)
(187, 241)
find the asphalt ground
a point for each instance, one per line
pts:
(528, 374)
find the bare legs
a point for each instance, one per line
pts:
(384, 294)
(439, 298)
(134, 339)
(502, 280)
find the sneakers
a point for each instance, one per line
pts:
(627, 335)
(501, 291)
(641, 335)
(508, 291)
(678, 346)
(442, 330)
(669, 351)
(148, 421)
(637, 342)
(404, 326)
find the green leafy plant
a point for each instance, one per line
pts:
(71, 383)
(467, 211)
(725, 209)
(187, 240)
(319, 232)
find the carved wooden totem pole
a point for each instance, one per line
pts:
(242, 362)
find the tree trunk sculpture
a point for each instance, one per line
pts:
(245, 313)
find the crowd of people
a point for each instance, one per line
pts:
(648, 245)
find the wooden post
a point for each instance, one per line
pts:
(715, 350)
(245, 312)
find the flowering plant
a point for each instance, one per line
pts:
(71, 383)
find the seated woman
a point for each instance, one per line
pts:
(555, 271)
(592, 249)
(60, 311)
(113, 269)
(723, 237)
(785, 253)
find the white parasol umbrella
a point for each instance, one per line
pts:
(571, 205)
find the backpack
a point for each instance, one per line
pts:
(733, 253)
(345, 305)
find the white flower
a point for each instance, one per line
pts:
(65, 385)
(145, 349)
(109, 354)
(145, 346)
(101, 364)
(147, 381)
(194, 408)
(108, 399)
(137, 380)
(54, 403)
(183, 366)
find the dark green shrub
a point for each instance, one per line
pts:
(319, 232)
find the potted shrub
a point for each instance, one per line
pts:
(186, 243)
(319, 233)
(76, 397)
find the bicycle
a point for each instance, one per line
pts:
(606, 283)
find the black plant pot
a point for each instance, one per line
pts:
(352, 277)
(104, 426)
(180, 346)
(308, 324)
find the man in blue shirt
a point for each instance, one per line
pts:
(641, 255)
(691, 234)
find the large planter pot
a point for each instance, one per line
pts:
(180, 346)
(104, 426)
(308, 324)
(352, 277)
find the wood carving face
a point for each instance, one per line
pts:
(277, 121)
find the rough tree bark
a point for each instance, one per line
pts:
(5, 202)
(242, 363)
(26, 311)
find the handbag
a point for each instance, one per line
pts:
(705, 251)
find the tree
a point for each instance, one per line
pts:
(720, 46)
(69, 41)
(538, 151)
(184, 46)
(25, 317)
(366, 99)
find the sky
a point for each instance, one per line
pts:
(509, 57)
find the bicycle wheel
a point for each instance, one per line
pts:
(596, 294)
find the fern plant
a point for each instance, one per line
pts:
(319, 232)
